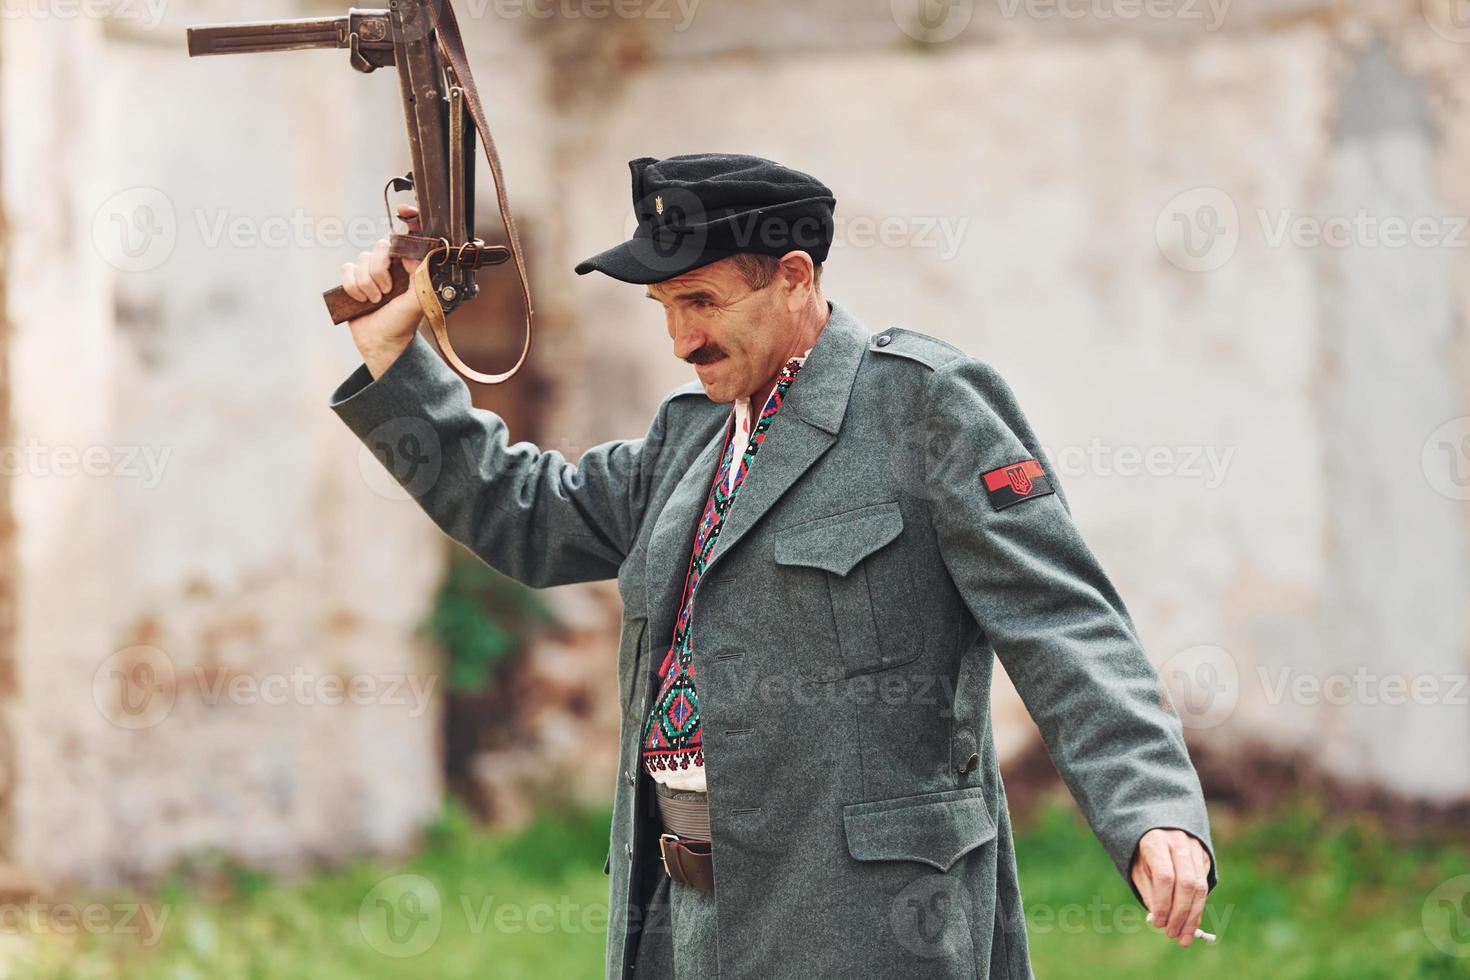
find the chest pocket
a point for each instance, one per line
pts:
(852, 559)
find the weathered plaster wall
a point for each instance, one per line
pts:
(1097, 208)
(195, 600)
(1261, 436)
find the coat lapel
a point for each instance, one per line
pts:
(803, 429)
(672, 539)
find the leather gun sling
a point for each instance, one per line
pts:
(451, 46)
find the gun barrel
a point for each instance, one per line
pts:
(371, 27)
(278, 35)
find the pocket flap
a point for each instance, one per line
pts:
(934, 828)
(839, 542)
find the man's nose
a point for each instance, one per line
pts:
(686, 339)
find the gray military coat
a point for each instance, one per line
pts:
(845, 633)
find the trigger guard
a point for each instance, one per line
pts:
(395, 185)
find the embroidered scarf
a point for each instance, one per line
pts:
(672, 738)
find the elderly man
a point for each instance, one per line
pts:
(809, 786)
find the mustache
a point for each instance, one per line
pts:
(705, 355)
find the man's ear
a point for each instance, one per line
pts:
(798, 275)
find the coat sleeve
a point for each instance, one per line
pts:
(1057, 624)
(526, 512)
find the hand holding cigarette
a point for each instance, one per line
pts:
(1171, 872)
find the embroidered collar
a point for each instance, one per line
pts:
(744, 414)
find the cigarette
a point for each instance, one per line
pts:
(1208, 937)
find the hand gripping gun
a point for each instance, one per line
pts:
(442, 109)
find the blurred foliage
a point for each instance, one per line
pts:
(479, 619)
(1303, 895)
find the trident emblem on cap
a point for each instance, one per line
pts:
(658, 204)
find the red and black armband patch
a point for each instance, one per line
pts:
(1015, 483)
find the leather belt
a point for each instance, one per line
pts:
(689, 862)
(684, 846)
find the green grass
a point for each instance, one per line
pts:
(527, 907)
(1301, 897)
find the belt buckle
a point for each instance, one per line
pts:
(663, 855)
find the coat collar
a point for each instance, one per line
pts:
(747, 409)
(802, 430)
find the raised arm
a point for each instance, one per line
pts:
(529, 513)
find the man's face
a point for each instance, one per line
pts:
(737, 338)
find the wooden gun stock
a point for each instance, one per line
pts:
(343, 307)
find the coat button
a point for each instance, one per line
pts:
(628, 850)
(628, 776)
(885, 340)
(972, 763)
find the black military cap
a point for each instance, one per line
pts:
(701, 207)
